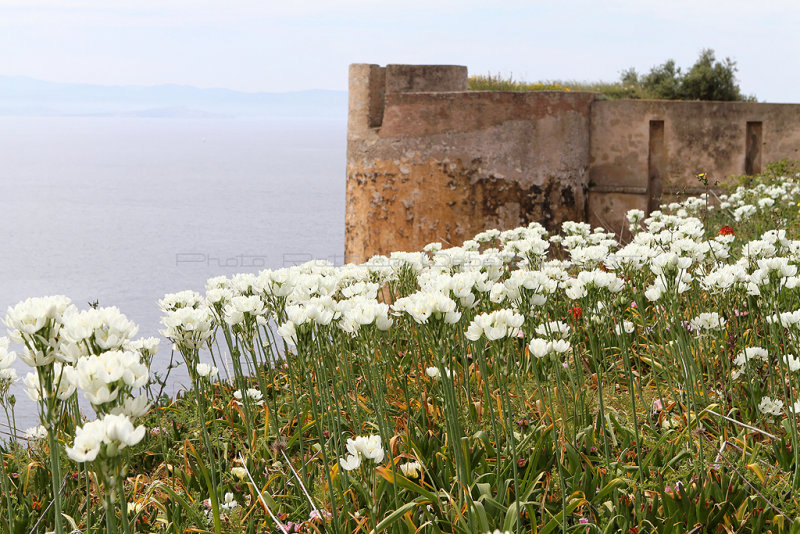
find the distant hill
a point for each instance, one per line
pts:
(20, 96)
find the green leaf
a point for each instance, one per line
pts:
(398, 514)
(555, 522)
(405, 483)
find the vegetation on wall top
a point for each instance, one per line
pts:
(707, 79)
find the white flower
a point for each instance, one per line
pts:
(557, 329)
(239, 472)
(411, 469)
(435, 373)
(206, 369)
(253, 394)
(133, 407)
(423, 305)
(768, 406)
(88, 440)
(119, 431)
(9, 376)
(95, 330)
(540, 347)
(350, 462)
(37, 358)
(561, 346)
(108, 435)
(791, 362)
(6, 357)
(495, 325)
(653, 293)
(708, 321)
(36, 432)
(147, 347)
(63, 377)
(182, 299)
(241, 307)
(750, 353)
(229, 503)
(367, 447)
(39, 315)
(102, 377)
(32, 388)
(189, 328)
(628, 327)
(288, 332)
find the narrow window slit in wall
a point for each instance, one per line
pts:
(752, 154)
(377, 97)
(656, 165)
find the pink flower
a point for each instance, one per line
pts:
(319, 515)
(657, 405)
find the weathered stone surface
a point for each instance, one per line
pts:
(444, 166)
(429, 161)
(698, 137)
(425, 78)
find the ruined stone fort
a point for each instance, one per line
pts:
(428, 160)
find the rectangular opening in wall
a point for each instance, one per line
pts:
(377, 95)
(656, 165)
(752, 154)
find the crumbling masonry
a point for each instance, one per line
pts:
(428, 160)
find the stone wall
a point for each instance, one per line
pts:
(428, 160)
(444, 164)
(647, 151)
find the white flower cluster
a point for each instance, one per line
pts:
(254, 395)
(707, 321)
(228, 502)
(189, 328)
(103, 377)
(768, 406)
(240, 308)
(111, 433)
(746, 356)
(37, 316)
(495, 325)
(423, 305)
(88, 350)
(63, 378)
(543, 347)
(362, 448)
(93, 331)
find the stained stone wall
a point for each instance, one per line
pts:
(428, 160)
(444, 163)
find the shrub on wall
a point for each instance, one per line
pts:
(707, 79)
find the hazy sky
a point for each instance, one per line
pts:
(266, 45)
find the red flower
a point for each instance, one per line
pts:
(576, 312)
(726, 230)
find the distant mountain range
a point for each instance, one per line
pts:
(20, 96)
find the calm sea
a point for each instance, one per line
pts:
(122, 211)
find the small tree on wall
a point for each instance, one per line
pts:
(707, 79)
